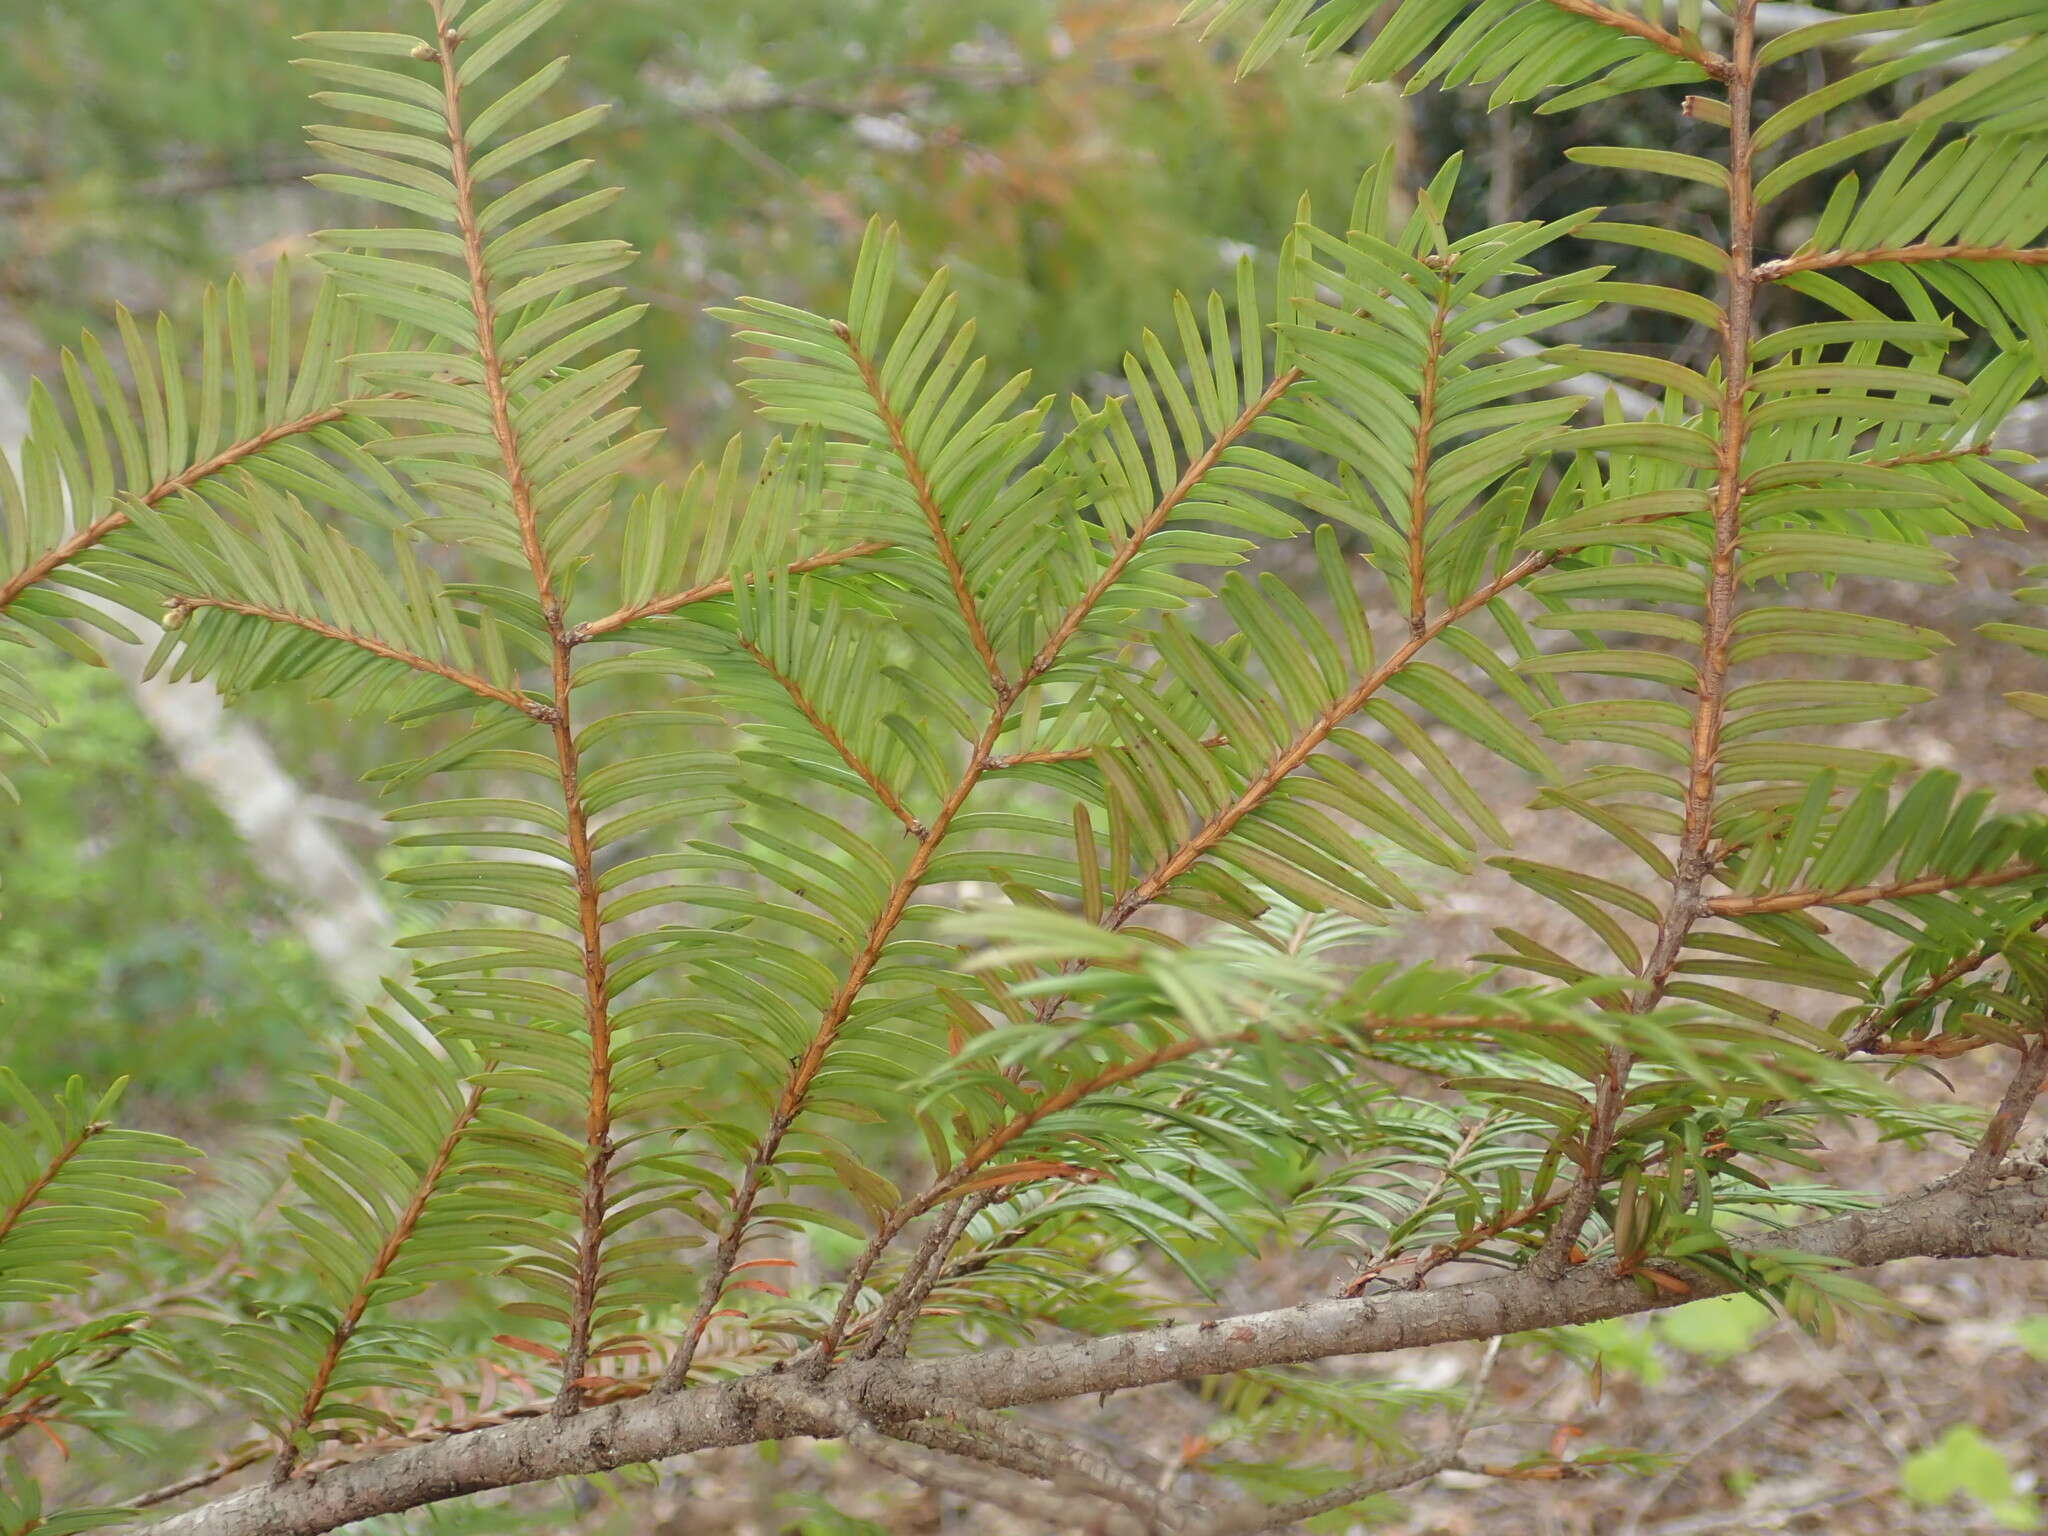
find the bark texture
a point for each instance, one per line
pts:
(2008, 1217)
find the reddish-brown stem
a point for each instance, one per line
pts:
(1385, 1255)
(1827, 261)
(1864, 895)
(935, 519)
(597, 629)
(387, 1254)
(1075, 754)
(479, 686)
(1418, 474)
(598, 1146)
(20, 1418)
(48, 1175)
(1868, 1035)
(1719, 67)
(874, 781)
(92, 533)
(1219, 825)
(1444, 1253)
(985, 1151)
(805, 1070)
(1191, 477)
(1695, 858)
(806, 1067)
(221, 1470)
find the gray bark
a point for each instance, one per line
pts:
(1948, 1221)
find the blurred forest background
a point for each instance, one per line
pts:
(202, 894)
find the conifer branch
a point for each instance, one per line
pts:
(1074, 754)
(1694, 863)
(1868, 1034)
(1829, 261)
(597, 629)
(804, 1071)
(879, 786)
(1684, 47)
(100, 527)
(387, 1254)
(1219, 826)
(962, 1175)
(598, 1145)
(1191, 477)
(48, 1174)
(1865, 895)
(1948, 1220)
(934, 517)
(806, 1068)
(178, 606)
(1418, 472)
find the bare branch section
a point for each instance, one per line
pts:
(1828, 261)
(2013, 1108)
(654, 608)
(1949, 1221)
(481, 687)
(98, 529)
(1865, 895)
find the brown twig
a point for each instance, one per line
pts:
(597, 629)
(48, 1175)
(1865, 895)
(2010, 1115)
(1274, 1517)
(93, 532)
(598, 1145)
(1868, 1033)
(206, 1477)
(1075, 754)
(1191, 477)
(1945, 1221)
(934, 517)
(387, 1254)
(1828, 261)
(875, 782)
(985, 1485)
(1220, 824)
(1689, 49)
(185, 603)
(1695, 858)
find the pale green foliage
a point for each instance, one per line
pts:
(871, 954)
(1963, 1465)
